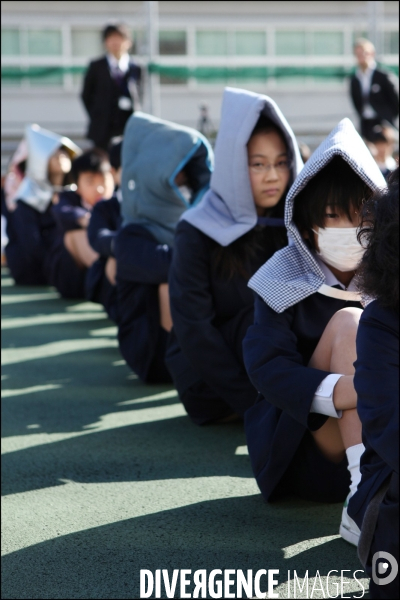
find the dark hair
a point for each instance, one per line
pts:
(246, 254)
(378, 273)
(336, 185)
(240, 255)
(118, 28)
(266, 125)
(114, 153)
(94, 160)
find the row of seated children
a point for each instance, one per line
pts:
(304, 432)
(283, 362)
(49, 225)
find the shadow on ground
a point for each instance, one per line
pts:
(73, 414)
(235, 533)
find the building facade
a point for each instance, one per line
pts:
(297, 52)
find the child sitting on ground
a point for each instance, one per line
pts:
(300, 351)
(31, 229)
(72, 254)
(105, 221)
(219, 245)
(375, 506)
(166, 168)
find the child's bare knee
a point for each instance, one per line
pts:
(345, 321)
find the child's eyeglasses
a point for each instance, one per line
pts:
(283, 166)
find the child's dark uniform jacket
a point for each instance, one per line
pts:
(142, 265)
(377, 384)
(31, 228)
(103, 226)
(211, 315)
(294, 303)
(154, 152)
(210, 311)
(65, 275)
(31, 236)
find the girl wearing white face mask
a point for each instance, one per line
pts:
(304, 434)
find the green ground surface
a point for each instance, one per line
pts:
(104, 476)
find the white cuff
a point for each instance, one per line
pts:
(323, 399)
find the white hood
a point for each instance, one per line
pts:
(35, 189)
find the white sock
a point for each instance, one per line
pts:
(353, 458)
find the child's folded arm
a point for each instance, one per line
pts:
(67, 216)
(378, 405)
(141, 259)
(193, 314)
(276, 367)
(100, 230)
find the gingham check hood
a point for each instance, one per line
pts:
(293, 274)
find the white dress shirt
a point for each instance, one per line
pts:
(121, 64)
(323, 400)
(365, 78)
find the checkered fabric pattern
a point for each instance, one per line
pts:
(293, 274)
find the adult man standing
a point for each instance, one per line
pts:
(374, 92)
(111, 88)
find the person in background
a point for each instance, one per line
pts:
(305, 151)
(15, 174)
(103, 227)
(374, 92)
(111, 88)
(166, 169)
(382, 146)
(375, 505)
(72, 254)
(31, 229)
(304, 434)
(218, 246)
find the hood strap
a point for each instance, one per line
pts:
(327, 290)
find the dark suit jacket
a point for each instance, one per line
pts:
(383, 95)
(100, 96)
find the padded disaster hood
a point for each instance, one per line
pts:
(293, 274)
(227, 211)
(35, 189)
(153, 153)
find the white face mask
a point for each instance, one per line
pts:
(339, 247)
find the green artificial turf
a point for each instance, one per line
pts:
(104, 476)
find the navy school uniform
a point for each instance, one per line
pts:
(211, 315)
(31, 236)
(210, 311)
(377, 384)
(142, 265)
(65, 275)
(277, 350)
(295, 301)
(104, 223)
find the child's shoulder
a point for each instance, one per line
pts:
(375, 313)
(69, 198)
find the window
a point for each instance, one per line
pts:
(250, 43)
(290, 43)
(328, 43)
(391, 42)
(10, 42)
(44, 42)
(172, 42)
(300, 43)
(212, 43)
(86, 42)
